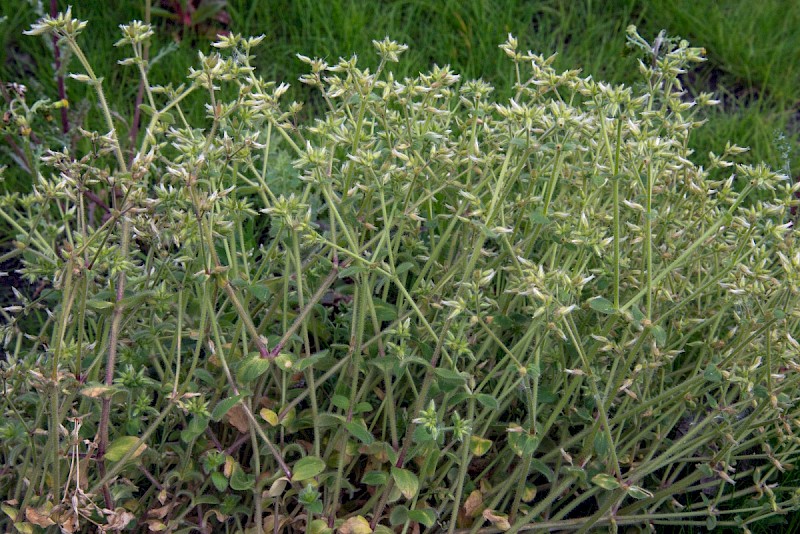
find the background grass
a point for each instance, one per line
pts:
(753, 67)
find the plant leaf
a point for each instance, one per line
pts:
(121, 446)
(426, 516)
(252, 368)
(406, 481)
(605, 481)
(602, 305)
(500, 521)
(487, 401)
(241, 481)
(375, 478)
(219, 481)
(355, 525)
(360, 431)
(269, 416)
(223, 406)
(398, 516)
(712, 374)
(639, 493)
(479, 446)
(306, 468)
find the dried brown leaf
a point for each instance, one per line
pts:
(237, 417)
(473, 504)
(500, 521)
(39, 517)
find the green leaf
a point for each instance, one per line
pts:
(520, 142)
(260, 292)
(601, 445)
(426, 516)
(660, 335)
(205, 499)
(197, 425)
(362, 407)
(539, 218)
(487, 401)
(306, 468)
(607, 482)
(223, 407)
(303, 363)
(602, 305)
(121, 446)
(448, 375)
(422, 435)
(406, 481)
(149, 110)
(398, 516)
(403, 267)
(546, 396)
(351, 271)
(706, 470)
(486, 231)
(384, 311)
(639, 493)
(99, 305)
(428, 468)
(341, 402)
(241, 481)
(712, 374)
(534, 370)
(522, 443)
(360, 431)
(542, 468)
(252, 368)
(219, 481)
(375, 478)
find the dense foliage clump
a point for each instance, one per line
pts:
(423, 308)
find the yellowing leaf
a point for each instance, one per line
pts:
(318, 526)
(10, 511)
(529, 494)
(122, 446)
(227, 469)
(355, 525)
(277, 487)
(478, 445)
(269, 416)
(406, 481)
(25, 528)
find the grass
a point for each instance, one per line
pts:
(756, 73)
